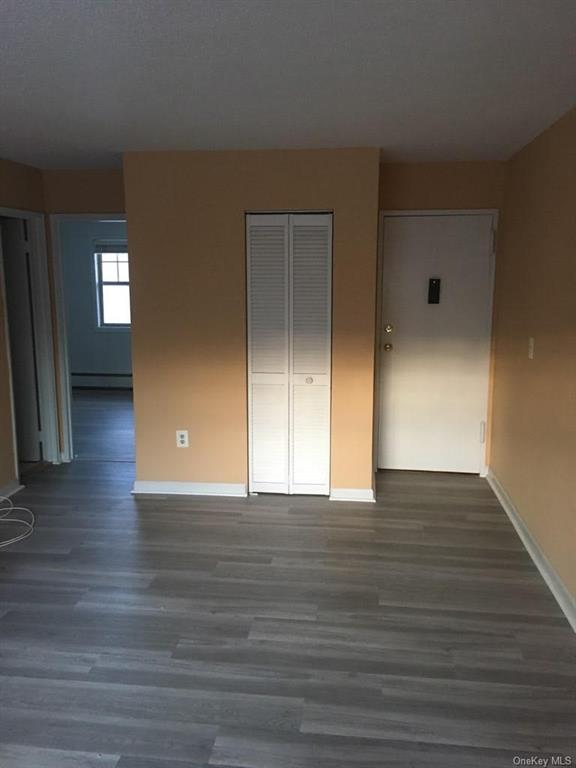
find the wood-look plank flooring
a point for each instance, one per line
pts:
(103, 424)
(277, 632)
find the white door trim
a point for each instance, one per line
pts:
(386, 214)
(62, 359)
(41, 305)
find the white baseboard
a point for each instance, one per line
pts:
(11, 488)
(352, 494)
(563, 596)
(169, 488)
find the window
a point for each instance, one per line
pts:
(113, 284)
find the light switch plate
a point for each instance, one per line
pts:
(531, 348)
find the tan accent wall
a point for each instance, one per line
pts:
(429, 186)
(20, 187)
(77, 191)
(186, 219)
(534, 416)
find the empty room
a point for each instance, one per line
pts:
(287, 383)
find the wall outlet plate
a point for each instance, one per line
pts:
(182, 438)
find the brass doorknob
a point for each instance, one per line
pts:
(387, 347)
(388, 328)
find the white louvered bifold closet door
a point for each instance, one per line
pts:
(268, 352)
(289, 343)
(311, 335)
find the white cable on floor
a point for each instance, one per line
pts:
(5, 517)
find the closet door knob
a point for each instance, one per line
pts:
(309, 380)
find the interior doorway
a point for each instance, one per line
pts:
(436, 299)
(94, 307)
(27, 326)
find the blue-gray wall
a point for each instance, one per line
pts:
(90, 349)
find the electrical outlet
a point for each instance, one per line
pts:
(531, 348)
(182, 438)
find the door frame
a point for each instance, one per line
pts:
(62, 359)
(43, 335)
(389, 214)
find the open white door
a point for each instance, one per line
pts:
(435, 356)
(18, 281)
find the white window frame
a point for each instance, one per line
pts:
(100, 249)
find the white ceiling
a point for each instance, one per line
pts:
(83, 80)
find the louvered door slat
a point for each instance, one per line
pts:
(268, 290)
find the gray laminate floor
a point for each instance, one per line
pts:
(103, 424)
(277, 632)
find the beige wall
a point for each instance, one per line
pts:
(186, 233)
(534, 416)
(429, 186)
(77, 191)
(20, 187)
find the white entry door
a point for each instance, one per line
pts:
(435, 341)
